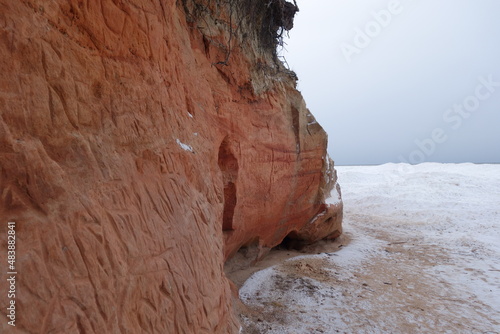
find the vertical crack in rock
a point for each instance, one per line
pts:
(229, 168)
(296, 127)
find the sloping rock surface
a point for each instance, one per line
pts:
(142, 143)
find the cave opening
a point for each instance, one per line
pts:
(291, 242)
(228, 165)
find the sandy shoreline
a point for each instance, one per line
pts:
(419, 254)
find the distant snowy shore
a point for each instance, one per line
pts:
(423, 257)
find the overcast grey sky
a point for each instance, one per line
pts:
(401, 81)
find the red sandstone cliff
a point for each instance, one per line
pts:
(141, 144)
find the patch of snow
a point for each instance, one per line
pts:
(190, 115)
(255, 282)
(185, 147)
(424, 255)
(334, 197)
(328, 172)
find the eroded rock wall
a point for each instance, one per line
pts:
(138, 152)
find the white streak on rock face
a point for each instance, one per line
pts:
(185, 147)
(319, 215)
(329, 170)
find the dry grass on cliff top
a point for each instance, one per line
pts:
(424, 257)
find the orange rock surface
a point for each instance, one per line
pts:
(142, 143)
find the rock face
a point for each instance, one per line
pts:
(142, 143)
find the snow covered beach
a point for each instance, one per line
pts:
(420, 254)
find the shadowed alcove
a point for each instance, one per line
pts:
(229, 167)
